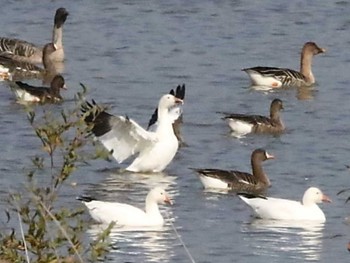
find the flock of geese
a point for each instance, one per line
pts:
(155, 147)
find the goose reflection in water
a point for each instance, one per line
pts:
(143, 245)
(302, 93)
(302, 240)
(121, 182)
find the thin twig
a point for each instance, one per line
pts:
(63, 231)
(181, 241)
(22, 234)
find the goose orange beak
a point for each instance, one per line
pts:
(167, 200)
(179, 101)
(326, 199)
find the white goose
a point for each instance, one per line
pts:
(282, 77)
(128, 215)
(284, 209)
(123, 137)
(176, 112)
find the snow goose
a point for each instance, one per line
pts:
(284, 209)
(27, 52)
(27, 93)
(176, 112)
(242, 124)
(123, 137)
(237, 180)
(128, 215)
(284, 77)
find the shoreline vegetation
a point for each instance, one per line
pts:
(46, 232)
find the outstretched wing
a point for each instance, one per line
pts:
(120, 135)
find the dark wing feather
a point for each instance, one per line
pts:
(35, 91)
(97, 117)
(252, 119)
(18, 47)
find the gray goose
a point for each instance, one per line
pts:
(27, 93)
(242, 124)
(237, 180)
(24, 51)
(19, 70)
(283, 77)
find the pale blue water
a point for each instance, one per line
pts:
(131, 52)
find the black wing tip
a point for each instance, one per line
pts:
(180, 91)
(97, 117)
(85, 198)
(153, 119)
(251, 195)
(199, 170)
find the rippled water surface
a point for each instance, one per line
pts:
(131, 52)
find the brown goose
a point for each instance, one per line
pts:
(284, 77)
(242, 124)
(18, 70)
(236, 180)
(27, 93)
(24, 51)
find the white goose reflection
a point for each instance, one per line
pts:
(143, 244)
(153, 245)
(135, 186)
(301, 240)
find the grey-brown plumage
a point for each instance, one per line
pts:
(244, 123)
(284, 77)
(31, 93)
(24, 51)
(19, 70)
(239, 181)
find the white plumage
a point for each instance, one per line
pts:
(128, 215)
(124, 137)
(284, 209)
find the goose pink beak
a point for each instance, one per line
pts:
(167, 200)
(179, 101)
(326, 199)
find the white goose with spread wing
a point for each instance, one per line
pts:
(123, 137)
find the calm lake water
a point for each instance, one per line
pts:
(131, 52)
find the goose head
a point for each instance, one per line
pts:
(168, 101)
(159, 196)
(58, 83)
(276, 105)
(312, 48)
(261, 155)
(314, 195)
(60, 17)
